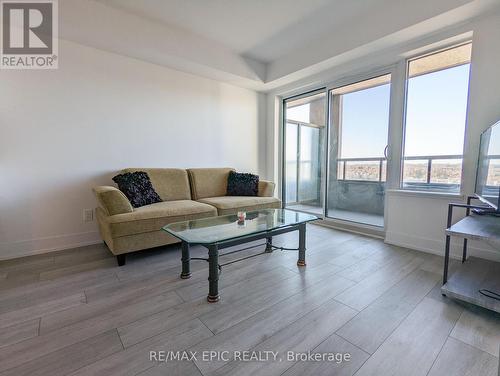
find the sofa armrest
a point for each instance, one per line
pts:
(112, 200)
(266, 188)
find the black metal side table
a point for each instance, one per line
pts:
(477, 280)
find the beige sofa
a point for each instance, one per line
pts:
(186, 194)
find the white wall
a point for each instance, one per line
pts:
(64, 131)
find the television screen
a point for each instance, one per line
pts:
(488, 171)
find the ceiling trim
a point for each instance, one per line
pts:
(101, 26)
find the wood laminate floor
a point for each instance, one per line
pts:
(76, 313)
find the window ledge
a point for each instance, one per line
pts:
(438, 195)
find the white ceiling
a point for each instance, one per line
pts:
(263, 44)
(264, 30)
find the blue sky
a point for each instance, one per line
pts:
(365, 116)
(436, 113)
(435, 119)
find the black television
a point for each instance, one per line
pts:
(488, 170)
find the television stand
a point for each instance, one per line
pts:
(476, 278)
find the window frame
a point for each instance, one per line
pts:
(283, 121)
(326, 86)
(352, 80)
(397, 67)
(407, 61)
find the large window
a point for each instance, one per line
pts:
(436, 106)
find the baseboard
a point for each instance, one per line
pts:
(436, 247)
(360, 229)
(23, 248)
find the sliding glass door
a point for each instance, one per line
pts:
(359, 127)
(348, 150)
(304, 152)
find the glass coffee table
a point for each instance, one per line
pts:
(216, 233)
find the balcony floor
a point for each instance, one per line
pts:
(345, 215)
(317, 210)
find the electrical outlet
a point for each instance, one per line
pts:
(88, 215)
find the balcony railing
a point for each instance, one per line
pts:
(493, 175)
(447, 176)
(430, 172)
(418, 170)
(365, 169)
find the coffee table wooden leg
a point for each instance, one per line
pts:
(213, 274)
(186, 271)
(302, 245)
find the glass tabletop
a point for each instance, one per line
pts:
(228, 227)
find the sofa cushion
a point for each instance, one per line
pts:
(170, 183)
(137, 187)
(112, 200)
(232, 204)
(242, 184)
(154, 217)
(266, 188)
(208, 182)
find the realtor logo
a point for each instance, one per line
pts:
(29, 34)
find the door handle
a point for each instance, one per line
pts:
(386, 150)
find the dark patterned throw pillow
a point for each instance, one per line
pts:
(241, 184)
(137, 187)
